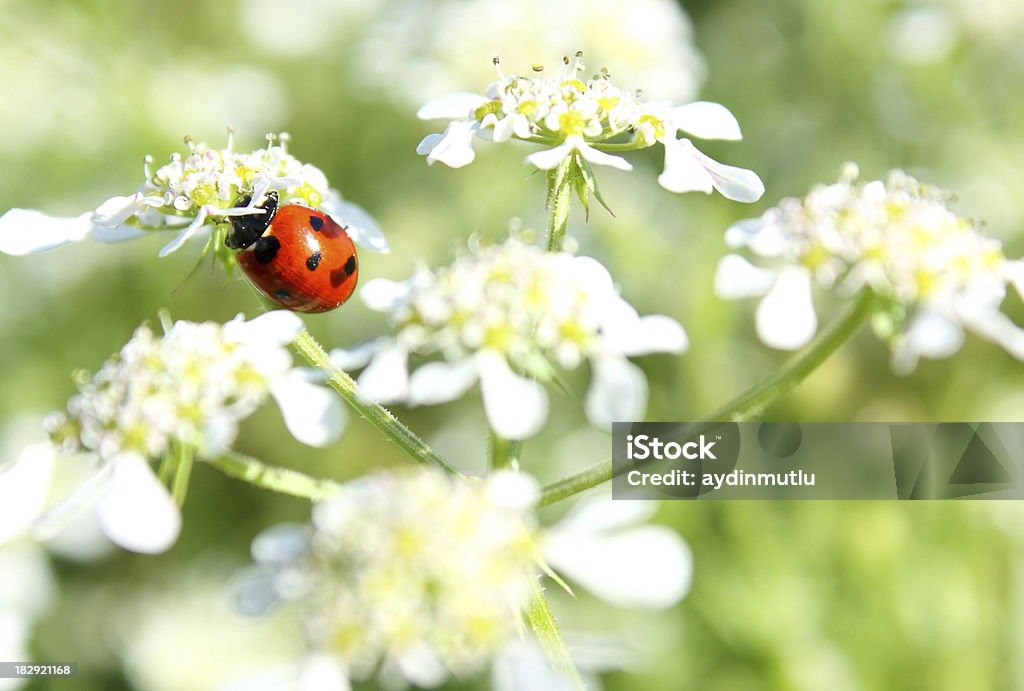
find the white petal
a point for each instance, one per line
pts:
(422, 666)
(512, 490)
(516, 407)
(648, 567)
(932, 334)
(358, 223)
(117, 210)
(737, 278)
(657, 333)
(996, 327)
(69, 509)
(706, 120)
(454, 147)
(185, 234)
(313, 414)
(617, 393)
(451, 107)
(111, 235)
(386, 378)
(598, 514)
(627, 333)
(24, 487)
(504, 129)
(25, 231)
(279, 327)
(689, 170)
(383, 294)
(440, 382)
(785, 318)
(136, 511)
(600, 158)
(323, 672)
(738, 184)
(549, 158)
(522, 666)
(356, 357)
(683, 172)
(765, 236)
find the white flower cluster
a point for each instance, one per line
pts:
(933, 270)
(587, 119)
(191, 386)
(188, 193)
(414, 574)
(504, 311)
(182, 393)
(417, 575)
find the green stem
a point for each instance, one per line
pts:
(544, 626)
(559, 201)
(182, 473)
(751, 402)
(504, 453)
(281, 480)
(378, 415)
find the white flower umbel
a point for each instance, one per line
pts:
(933, 273)
(201, 189)
(413, 575)
(582, 120)
(506, 315)
(419, 575)
(180, 394)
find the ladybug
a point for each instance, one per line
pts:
(296, 256)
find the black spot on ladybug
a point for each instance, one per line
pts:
(266, 249)
(316, 223)
(342, 273)
(282, 294)
(313, 261)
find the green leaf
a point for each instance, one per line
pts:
(588, 174)
(542, 622)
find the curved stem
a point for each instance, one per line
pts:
(376, 414)
(751, 402)
(275, 479)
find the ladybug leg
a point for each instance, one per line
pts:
(246, 230)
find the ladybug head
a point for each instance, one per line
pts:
(246, 230)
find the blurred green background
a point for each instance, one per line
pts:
(816, 595)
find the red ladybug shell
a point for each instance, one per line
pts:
(304, 261)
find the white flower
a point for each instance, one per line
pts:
(417, 575)
(933, 273)
(184, 392)
(505, 315)
(581, 121)
(204, 188)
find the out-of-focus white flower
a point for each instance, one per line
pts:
(419, 48)
(182, 393)
(506, 315)
(189, 635)
(204, 188)
(26, 590)
(417, 575)
(413, 575)
(933, 272)
(581, 121)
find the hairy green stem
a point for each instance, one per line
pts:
(559, 201)
(504, 453)
(544, 626)
(751, 402)
(273, 478)
(379, 416)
